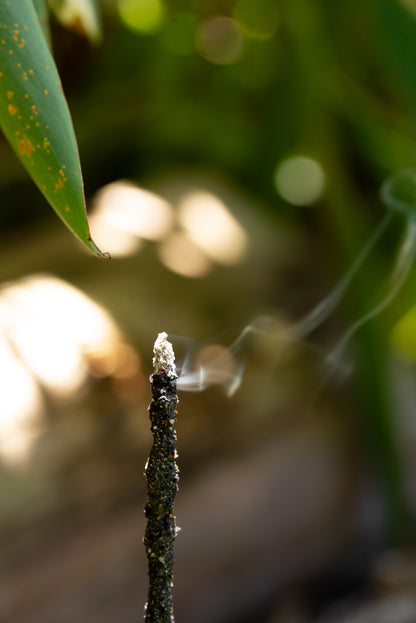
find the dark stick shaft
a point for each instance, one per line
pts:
(162, 484)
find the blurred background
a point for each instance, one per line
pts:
(232, 153)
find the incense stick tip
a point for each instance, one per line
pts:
(164, 357)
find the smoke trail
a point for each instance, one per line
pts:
(224, 366)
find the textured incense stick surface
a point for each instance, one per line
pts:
(162, 484)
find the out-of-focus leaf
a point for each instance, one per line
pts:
(399, 192)
(410, 5)
(403, 336)
(42, 10)
(35, 118)
(397, 44)
(83, 16)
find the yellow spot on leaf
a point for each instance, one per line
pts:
(10, 95)
(45, 92)
(12, 109)
(25, 146)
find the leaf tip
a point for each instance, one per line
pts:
(103, 255)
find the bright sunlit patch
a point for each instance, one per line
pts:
(122, 243)
(184, 257)
(258, 19)
(300, 180)
(20, 406)
(124, 213)
(212, 227)
(54, 329)
(52, 336)
(144, 16)
(220, 40)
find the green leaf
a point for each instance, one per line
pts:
(42, 11)
(35, 117)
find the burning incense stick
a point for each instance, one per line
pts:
(162, 484)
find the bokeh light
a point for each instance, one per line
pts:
(144, 16)
(220, 40)
(212, 227)
(300, 180)
(123, 214)
(184, 257)
(21, 406)
(195, 231)
(55, 328)
(51, 336)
